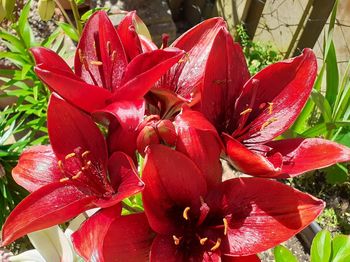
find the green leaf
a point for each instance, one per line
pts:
(333, 17)
(14, 44)
(282, 254)
(48, 41)
(16, 58)
(336, 174)
(24, 29)
(341, 248)
(332, 75)
(322, 104)
(70, 31)
(89, 13)
(343, 103)
(316, 131)
(321, 247)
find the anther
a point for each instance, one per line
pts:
(225, 226)
(185, 58)
(185, 213)
(176, 240)
(98, 63)
(108, 47)
(203, 240)
(60, 164)
(217, 245)
(69, 156)
(77, 175)
(81, 58)
(114, 53)
(270, 107)
(248, 110)
(85, 153)
(268, 122)
(64, 179)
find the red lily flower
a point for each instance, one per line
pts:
(72, 175)
(252, 112)
(199, 222)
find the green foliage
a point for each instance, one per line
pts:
(257, 55)
(282, 254)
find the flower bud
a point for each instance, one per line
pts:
(166, 131)
(2, 12)
(7, 6)
(46, 9)
(147, 136)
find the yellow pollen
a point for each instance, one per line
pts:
(268, 122)
(69, 156)
(81, 57)
(114, 53)
(98, 63)
(185, 213)
(185, 58)
(85, 153)
(64, 179)
(77, 175)
(203, 240)
(176, 240)
(248, 110)
(225, 226)
(60, 165)
(270, 107)
(217, 245)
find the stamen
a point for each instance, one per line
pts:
(64, 179)
(270, 107)
(60, 164)
(98, 63)
(69, 156)
(185, 213)
(248, 110)
(185, 58)
(108, 47)
(217, 245)
(114, 54)
(268, 122)
(84, 154)
(203, 240)
(165, 40)
(225, 226)
(88, 164)
(81, 57)
(177, 240)
(201, 199)
(77, 175)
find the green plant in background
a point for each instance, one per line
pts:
(257, 55)
(324, 248)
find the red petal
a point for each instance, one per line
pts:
(197, 42)
(50, 205)
(144, 70)
(70, 128)
(98, 42)
(303, 155)
(37, 166)
(225, 74)
(124, 118)
(261, 213)
(124, 179)
(49, 58)
(70, 87)
(198, 139)
(252, 258)
(251, 163)
(146, 44)
(128, 36)
(171, 179)
(287, 85)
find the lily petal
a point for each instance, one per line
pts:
(100, 43)
(107, 236)
(74, 90)
(280, 90)
(198, 139)
(252, 258)
(170, 178)
(226, 72)
(70, 128)
(124, 179)
(48, 57)
(252, 163)
(37, 166)
(247, 205)
(144, 70)
(303, 155)
(48, 206)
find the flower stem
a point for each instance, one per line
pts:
(75, 11)
(64, 13)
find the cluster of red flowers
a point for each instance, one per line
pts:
(182, 108)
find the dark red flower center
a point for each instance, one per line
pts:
(81, 167)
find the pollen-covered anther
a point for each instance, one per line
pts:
(88, 164)
(97, 63)
(77, 175)
(60, 165)
(81, 57)
(64, 179)
(225, 226)
(268, 122)
(85, 153)
(108, 47)
(69, 156)
(114, 54)
(217, 245)
(248, 110)
(203, 240)
(185, 213)
(270, 107)
(177, 240)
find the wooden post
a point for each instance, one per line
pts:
(253, 10)
(313, 28)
